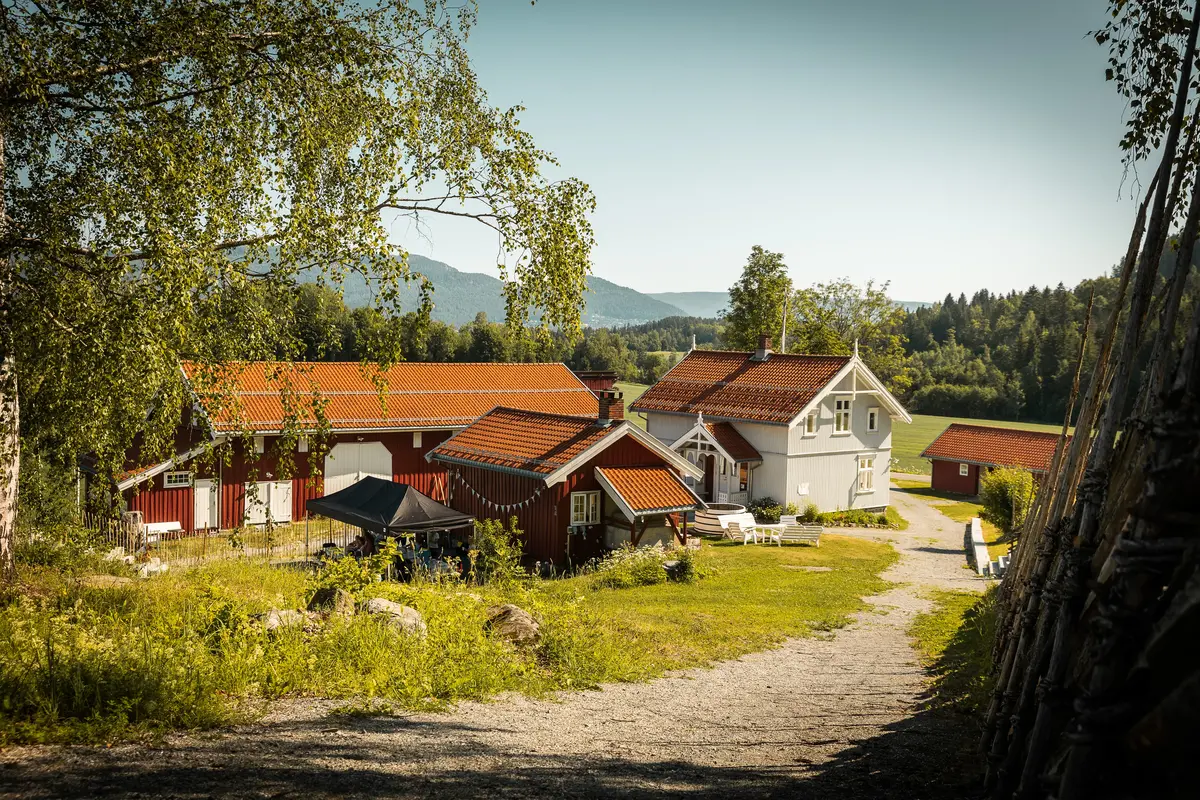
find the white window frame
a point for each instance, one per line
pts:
(302, 444)
(260, 444)
(843, 409)
(866, 466)
(964, 470)
(589, 513)
(177, 480)
(873, 419)
(416, 438)
(810, 424)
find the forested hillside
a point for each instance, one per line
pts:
(1009, 356)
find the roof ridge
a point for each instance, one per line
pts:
(555, 414)
(973, 426)
(774, 354)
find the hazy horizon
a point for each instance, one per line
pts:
(942, 147)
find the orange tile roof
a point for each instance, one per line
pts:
(994, 447)
(523, 441)
(733, 442)
(259, 396)
(734, 386)
(648, 490)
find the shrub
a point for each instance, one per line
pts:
(811, 513)
(1006, 495)
(354, 574)
(643, 566)
(496, 553)
(768, 510)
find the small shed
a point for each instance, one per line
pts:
(962, 454)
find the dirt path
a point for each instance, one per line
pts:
(834, 717)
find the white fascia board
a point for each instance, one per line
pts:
(860, 370)
(700, 430)
(821, 395)
(158, 469)
(616, 497)
(620, 430)
(896, 410)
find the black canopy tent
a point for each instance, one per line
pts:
(387, 508)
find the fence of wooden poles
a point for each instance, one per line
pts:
(1097, 690)
(285, 542)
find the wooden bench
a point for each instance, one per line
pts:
(808, 534)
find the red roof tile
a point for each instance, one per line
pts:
(408, 395)
(524, 441)
(994, 447)
(649, 489)
(735, 386)
(733, 442)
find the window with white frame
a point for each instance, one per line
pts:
(841, 416)
(585, 508)
(964, 470)
(743, 476)
(866, 474)
(872, 419)
(810, 424)
(177, 480)
(416, 438)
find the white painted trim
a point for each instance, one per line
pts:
(700, 430)
(158, 469)
(620, 430)
(857, 368)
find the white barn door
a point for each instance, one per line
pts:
(204, 512)
(271, 498)
(350, 462)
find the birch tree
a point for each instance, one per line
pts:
(162, 156)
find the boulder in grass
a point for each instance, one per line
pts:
(283, 618)
(155, 566)
(332, 599)
(514, 624)
(405, 618)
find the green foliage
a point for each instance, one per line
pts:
(1006, 495)
(172, 170)
(355, 574)
(496, 553)
(860, 518)
(955, 641)
(769, 510)
(631, 566)
(829, 318)
(756, 301)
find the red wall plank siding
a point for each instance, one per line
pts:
(159, 504)
(545, 521)
(946, 478)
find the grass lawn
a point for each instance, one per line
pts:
(908, 441)
(632, 392)
(954, 640)
(103, 660)
(756, 597)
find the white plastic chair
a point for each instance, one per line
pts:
(748, 534)
(788, 519)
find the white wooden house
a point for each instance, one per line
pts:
(796, 428)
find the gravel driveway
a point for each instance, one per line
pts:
(834, 717)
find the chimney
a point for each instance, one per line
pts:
(764, 349)
(612, 406)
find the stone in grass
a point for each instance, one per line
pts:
(514, 624)
(330, 598)
(406, 618)
(283, 618)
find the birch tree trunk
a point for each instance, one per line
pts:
(10, 430)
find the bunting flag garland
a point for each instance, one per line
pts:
(502, 507)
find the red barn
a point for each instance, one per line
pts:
(962, 454)
(576, 486)
(381, 423)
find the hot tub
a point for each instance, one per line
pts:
(708, 521)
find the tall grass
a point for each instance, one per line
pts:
(82, 661)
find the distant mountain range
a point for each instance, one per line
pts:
(459, 296)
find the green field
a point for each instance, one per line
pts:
(633, 391)
(909, 440)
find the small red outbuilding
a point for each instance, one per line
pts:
(962, 454)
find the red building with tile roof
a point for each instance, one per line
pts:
(374, 422)
(576, 486)
(962, 454)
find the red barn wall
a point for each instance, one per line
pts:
(946, 478)
(544, 522)
(160, 504)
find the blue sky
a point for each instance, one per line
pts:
(943, 146)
